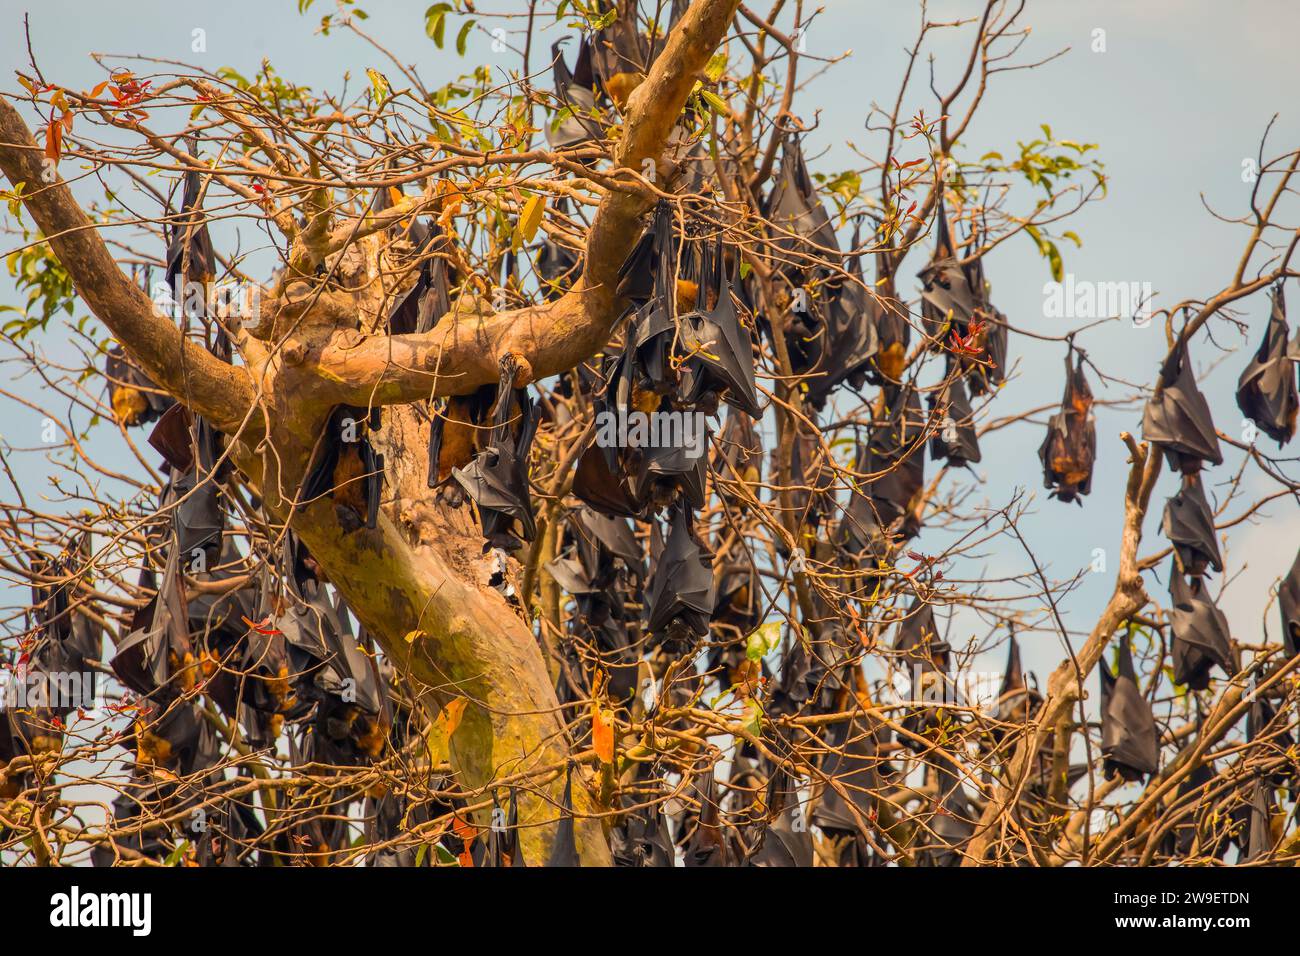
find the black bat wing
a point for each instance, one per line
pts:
(1200, 633)
(564, 851)
(1188, 523)
(1266, 391)
(1179, 420)
(1129, 741)
(1288, 599)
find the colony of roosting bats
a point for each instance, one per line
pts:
(667, 566)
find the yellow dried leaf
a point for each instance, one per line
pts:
(529, 220)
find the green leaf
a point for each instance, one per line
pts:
(716, 66)
(753, 721)
(763, 640)
(445, 856)
(716, 103)
(174, 857)
(462, 38)
(435, 22)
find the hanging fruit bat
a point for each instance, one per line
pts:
(1129, 739)
(620, 53)
(429, 299)
(640, 271)
(601, 480)
(599, 485)
(697, 173)
(1017, 702)
(679, 595)
(189, 247)
(1288, 599)
(1259, 842)
(262, 659)
(706, 846)
(217, 625)
(564, 849)
(1273, 736)
(1177, 418)
(669, 472)
(808, 682)
(65, 642)
(1189, 525)
(646, 362)
(848, 798)
(574, 91)
(193, 493)
(893, 333)
(1201, 635)
(128, 808)
(324, 663)
(1069, 451)
(925, 659)
(52, 603)
(894, 453)
(172, 438)
(642, 840)
(459, 428)
(346, 467)
(948, 299)
(842, 347)
(1181, 839)
(784, 839)
(953, 823)
(802, 231)
(176, 738)
(601, 538)
(557, 265)
(134, 398)
(719, 351)
(813, 479)
(223, 843)
(738, 458)
(859, 533)
(984, 341)
(1266, 391)
(957, 313)
(156, 659)
(503, 846)
(737, 601)
(956, 439)
(497, 479)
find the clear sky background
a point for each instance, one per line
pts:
(1179, 98)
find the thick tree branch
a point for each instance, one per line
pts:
(462, 353)
(221, 392)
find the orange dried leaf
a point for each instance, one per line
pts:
(602, 733)
(452, 714)
(53, 141)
